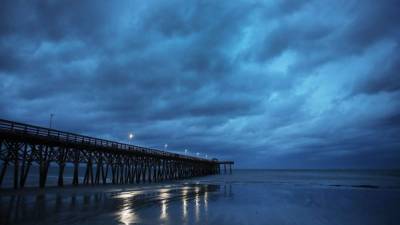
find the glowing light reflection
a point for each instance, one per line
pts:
(197, 207)
(163, 209)
(126, 214)
(125, 195)
(206, 201)
(184, 200)
(164, 195)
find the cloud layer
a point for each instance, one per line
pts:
(304, 84)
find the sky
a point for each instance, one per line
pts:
(268, 84)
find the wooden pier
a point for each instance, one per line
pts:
(104, 161)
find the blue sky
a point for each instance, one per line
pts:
(269, 84)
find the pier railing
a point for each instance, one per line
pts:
(68, 137)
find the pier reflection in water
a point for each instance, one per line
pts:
(185, 204)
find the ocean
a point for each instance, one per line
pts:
(248, 197)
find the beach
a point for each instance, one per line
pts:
(244, 197)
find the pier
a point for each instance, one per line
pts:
(103, 161)
(225, 163)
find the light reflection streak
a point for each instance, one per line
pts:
(184, 200)
(206, 202)
(128, 194)
(164, 190)
(197, 207)
(125, 195)
(126, 214)
(164, 195)
(163, 209)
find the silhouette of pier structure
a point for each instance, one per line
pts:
(104, 161)
(225, 163)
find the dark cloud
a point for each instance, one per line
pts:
(283, 84)
(371, 23)
(384, 77)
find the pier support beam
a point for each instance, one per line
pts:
(61, 166)
(75, 179)
(26, 166)
(217, 169)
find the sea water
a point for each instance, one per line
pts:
(245, 197)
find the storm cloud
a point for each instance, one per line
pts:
(269, 84)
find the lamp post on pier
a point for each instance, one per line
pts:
(130, 137)
(51, 120)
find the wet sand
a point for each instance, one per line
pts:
(246, 197)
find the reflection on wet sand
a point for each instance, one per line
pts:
(126, 214)
(184, 203)
(197, 205)
(206, 203)
(188, 196)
